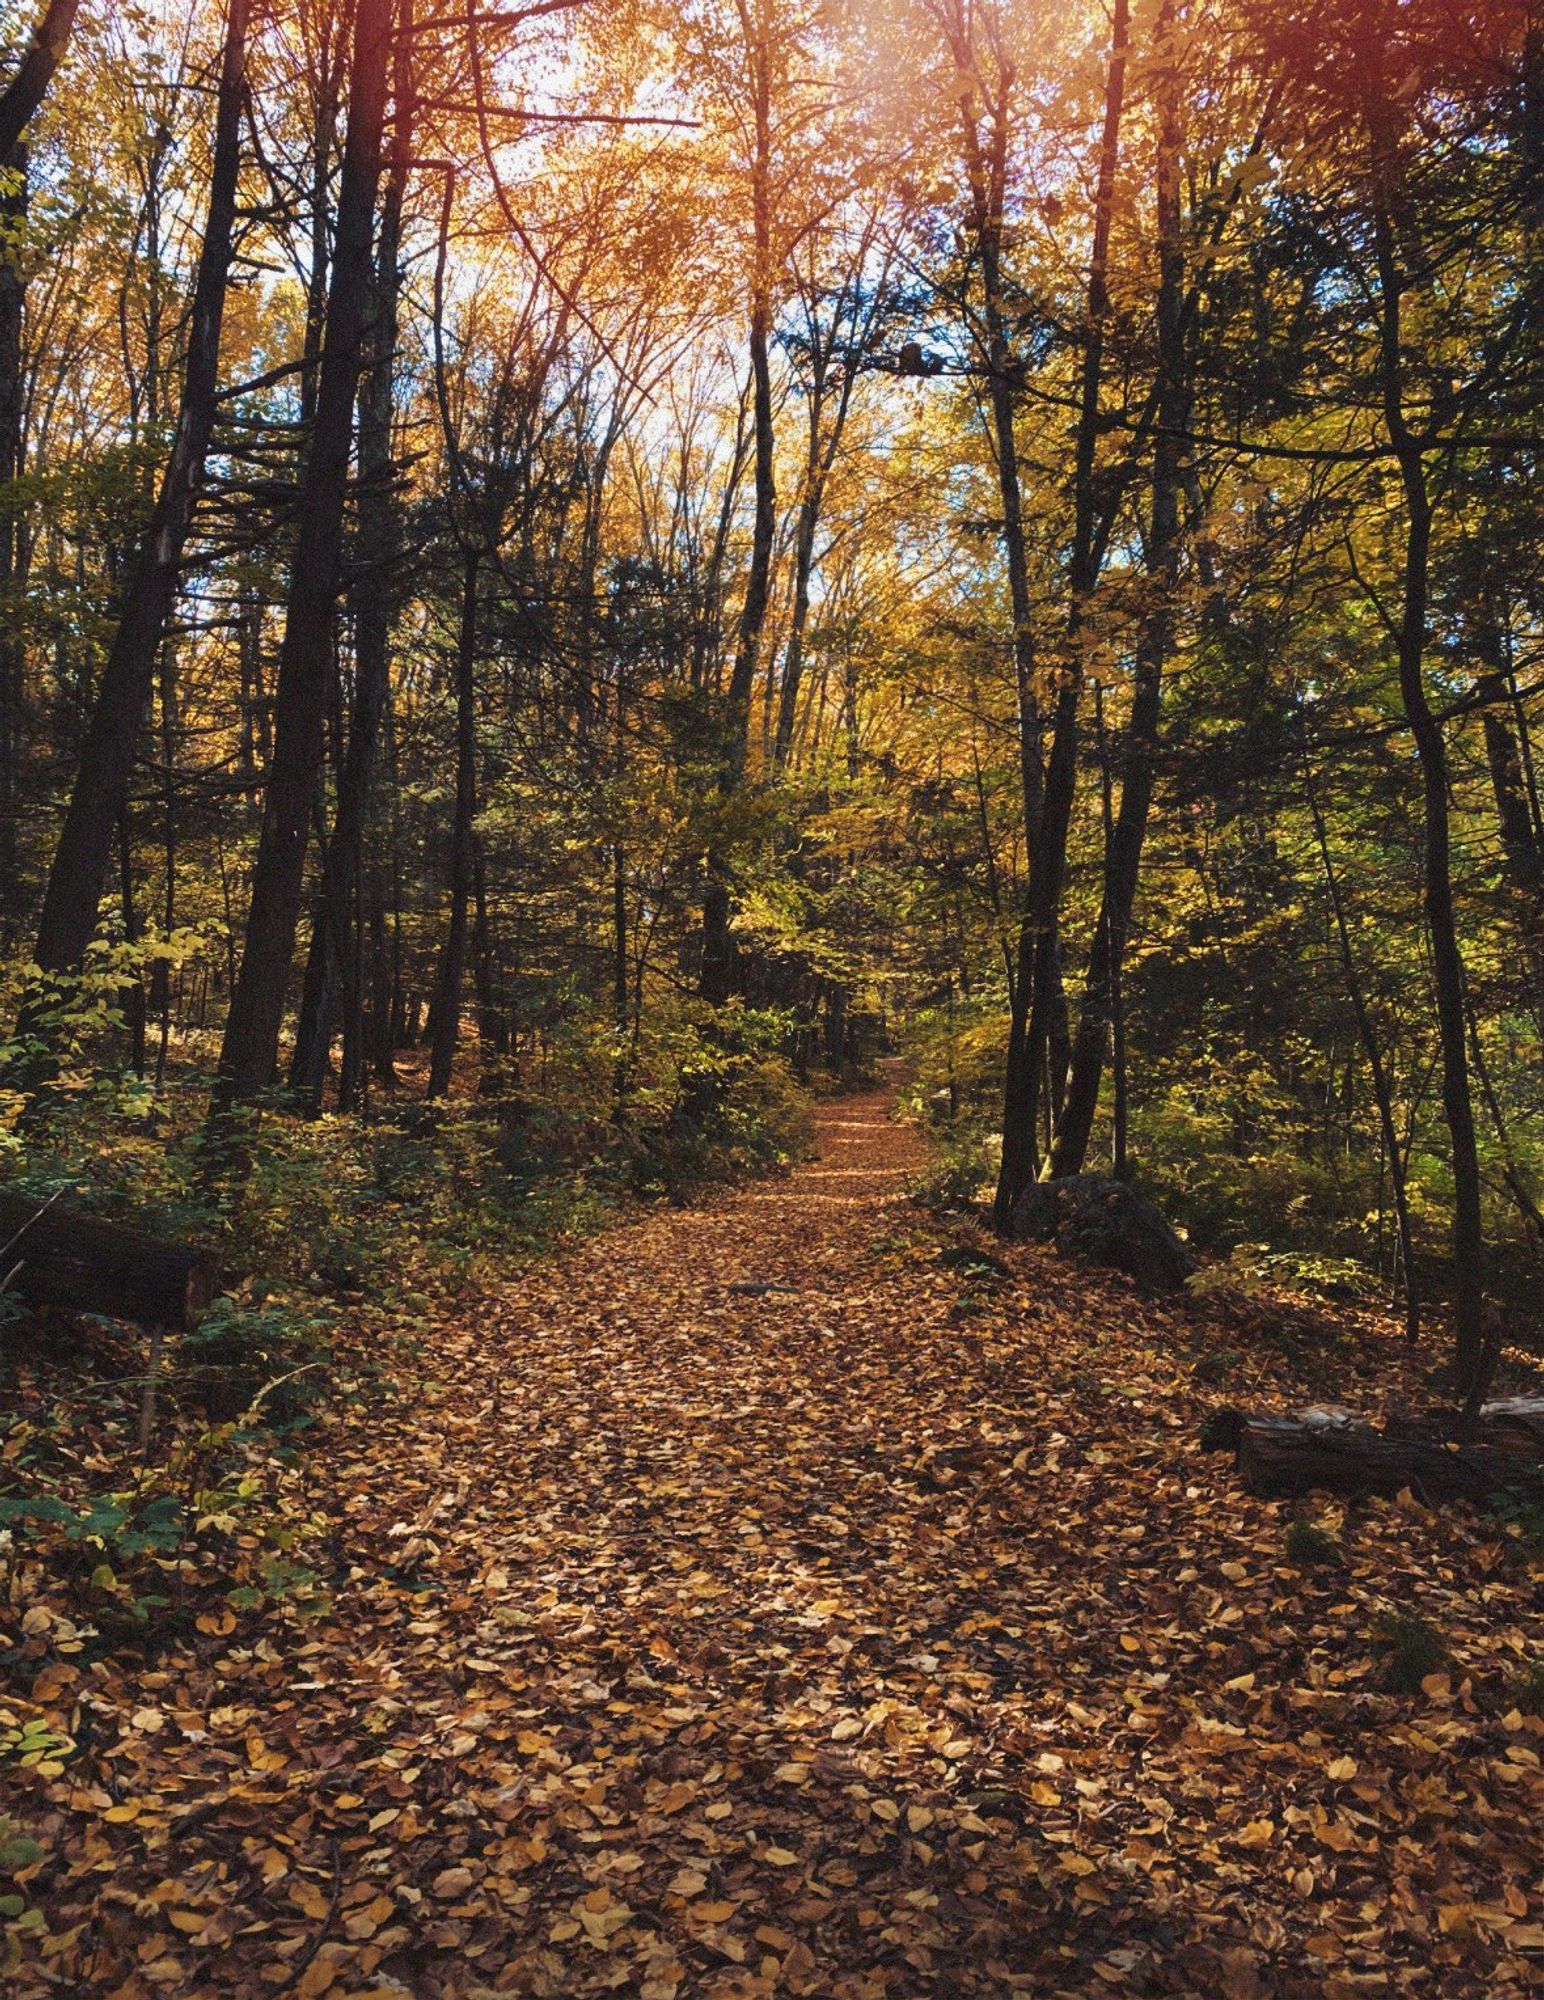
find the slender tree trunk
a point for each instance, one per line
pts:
(986, 170)
(1522, 850)
(492, 1034)
(818, 465)
(251, 1043)
(1431, 750)
(1383, 1094)
(445, 1008)
(161, 975)
(793, 653)
(717, 974)
(107, 755)
(1124, 843)
(1048, 856)
(13, 213)
(132, 993)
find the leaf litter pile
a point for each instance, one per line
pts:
(767, 1598)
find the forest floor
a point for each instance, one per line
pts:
(750, 1602)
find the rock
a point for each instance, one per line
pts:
(1106, 1221)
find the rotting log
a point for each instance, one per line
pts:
(51, 1255)
(1283, 1457)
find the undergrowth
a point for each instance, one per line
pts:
(135, 1500)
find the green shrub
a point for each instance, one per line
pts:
(1311, 1547)
(242, 1351)
(1408, 1648)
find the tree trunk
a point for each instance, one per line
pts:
(106, 757)
(1048, 855)
(1522, 849)
(717, 974)
(27, 89)
(13, 212)
(819, 461)
(250, 1050)
(986, 171)
(332, 961)
(1382, 1091)
(1124, 843)
(445, 1008)
(1431, 750)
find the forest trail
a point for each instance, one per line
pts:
(879, 1634)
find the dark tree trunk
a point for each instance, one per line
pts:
(332, 963)
(819, 462)
(251, 1044)
(1431, 750)
(1138, 768)
(793, 653)
(27, 89)
(986, 172)
(717, 975)
(492, 1029)
(445, 1008)
(107, 755)
(1522, 849)
(13, 210)
(1048, 839)
(1382, 1090)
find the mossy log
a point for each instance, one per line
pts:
(53, 1255)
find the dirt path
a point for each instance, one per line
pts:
(870, 1635)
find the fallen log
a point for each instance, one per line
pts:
(53, 1255)
(1327, 1450)
(1515, 1423)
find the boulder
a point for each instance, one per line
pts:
(1106, 1221)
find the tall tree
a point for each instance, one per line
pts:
(1039, 951)
(106, 756)
(716, 977)
(333, 967)
(1387, 197)
(249, 1050)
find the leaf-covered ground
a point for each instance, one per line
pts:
(879, 1632)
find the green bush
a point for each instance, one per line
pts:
(1408, 1648)
(1311, 1547)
